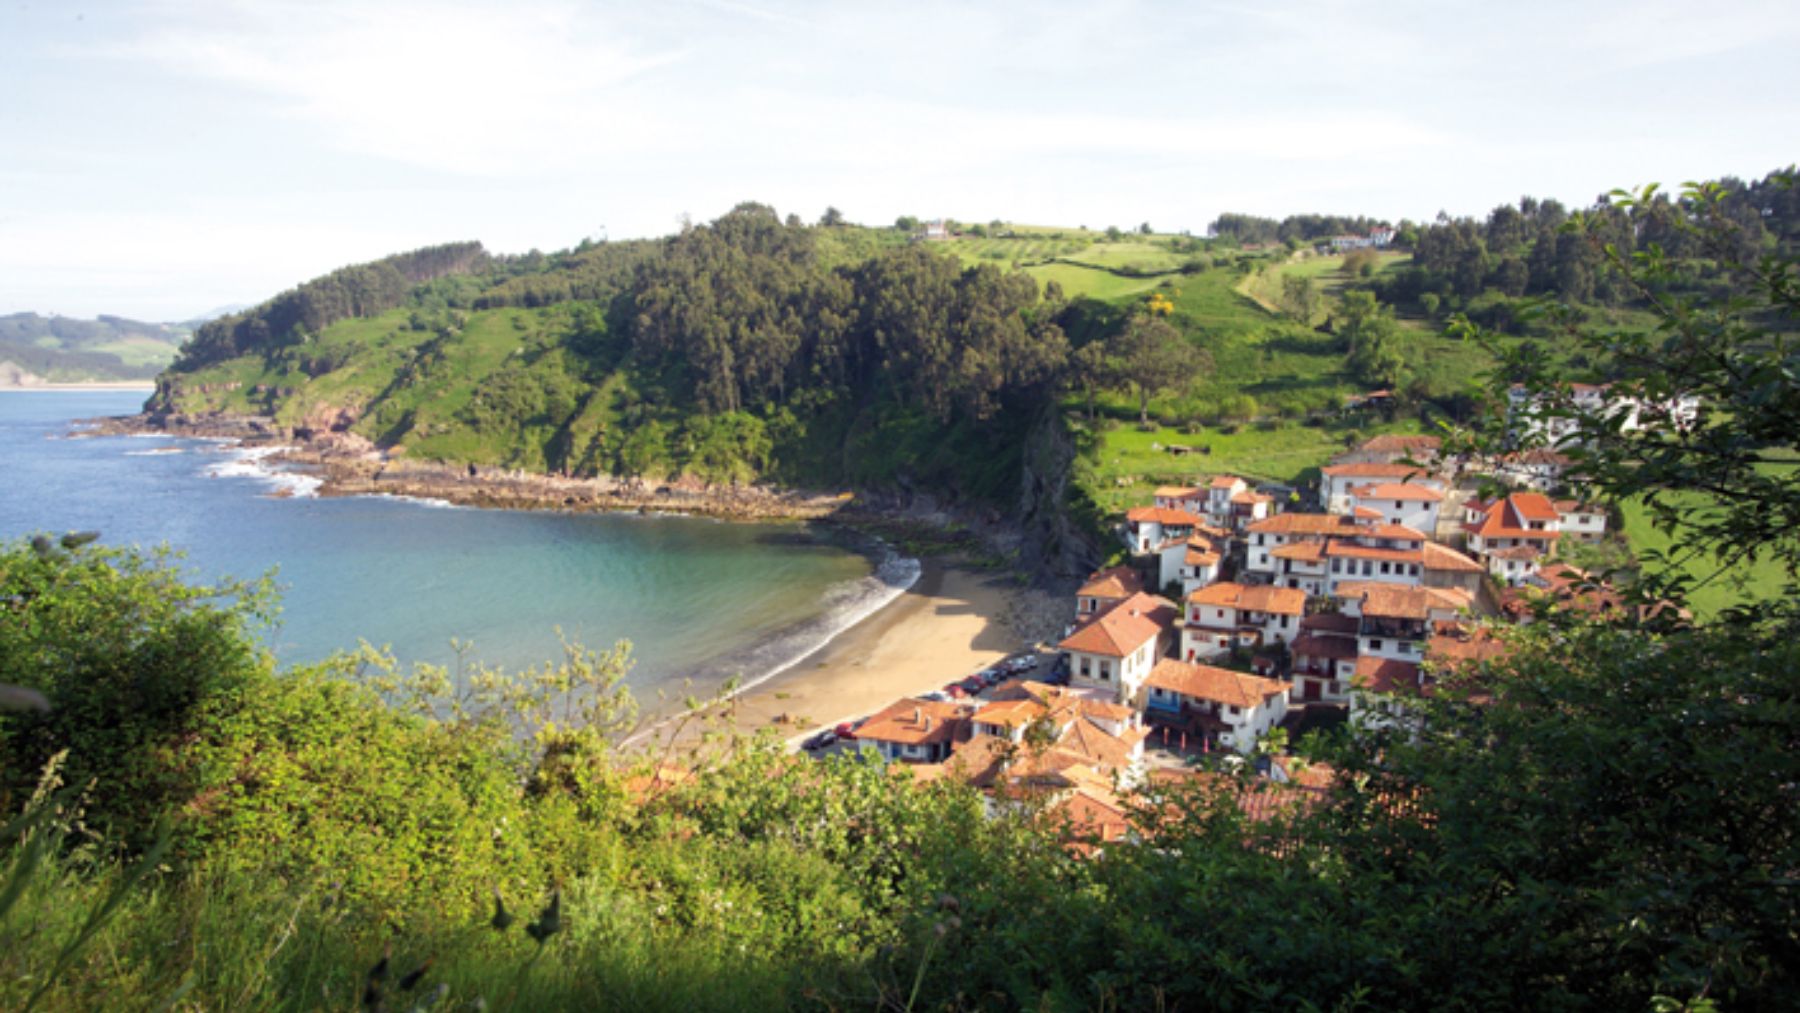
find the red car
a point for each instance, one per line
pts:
(973, 684)
(847, 730)
(956, 691)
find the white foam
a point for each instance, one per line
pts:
(253, 463)
(846, 604)
(154, 452)
(425, 501)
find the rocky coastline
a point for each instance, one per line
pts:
(350, 465)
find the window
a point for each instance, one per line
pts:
(1221, 613)
(1231, 710)
(1374, 645)
(1106, 670)
(1084, 665)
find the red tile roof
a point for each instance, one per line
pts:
(1125, 627)
(1304, 552)
(1396, 601)
(1306, 524)
(1533, 506)
(1175, 491)
(1255, 598)
(1330, 622)
(1438, 557)
(1341, 549)
(1115, 582)
(1167, 516)
(1226, 481)
(914, 723)
(1220, 685)
(1374, 469)
(1400, 491)
(1385, 675)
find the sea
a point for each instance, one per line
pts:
(701, 601)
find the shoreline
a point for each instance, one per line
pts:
(954, 619)
(348, 465)
(952, 622)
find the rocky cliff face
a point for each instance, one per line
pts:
(1052, 540)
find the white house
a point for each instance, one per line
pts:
(1233, 707)
(1513, 535)
(1262, 538)
(1219, 493)
(1386, 553)
(1338, 479)
(1395, 622)
(1412, 504)
(1149, 529)
(1106, 588)
(915, 731)
(1381, 689)
(1391, 448)
(1219, 616)
(1115, 649)
(1200, 563)
(1586, 521)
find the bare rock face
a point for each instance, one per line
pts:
(326, 418)
(342, 444)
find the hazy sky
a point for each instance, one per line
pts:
(160, 159)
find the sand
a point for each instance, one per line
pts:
(949, 625)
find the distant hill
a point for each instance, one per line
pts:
(64, 349)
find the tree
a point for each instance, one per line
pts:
(1371, 338)
(907, 223)
(831, 218)
(1152, 356)
(1299, 298)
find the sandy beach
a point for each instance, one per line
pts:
(950, 624)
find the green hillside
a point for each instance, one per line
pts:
(64, 349)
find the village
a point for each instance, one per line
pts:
(1243, 617)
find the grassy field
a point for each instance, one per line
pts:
(1126, 464)
(1760, 580)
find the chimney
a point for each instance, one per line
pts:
(928, 722)
(917, 712)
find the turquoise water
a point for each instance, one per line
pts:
(699, 599)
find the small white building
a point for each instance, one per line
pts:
(915, 731)
(1115, 649)
(1514, 535)
(1220, 616)
(1337, 481)
(1411, 504)
(1235, 708)
(1106, 588)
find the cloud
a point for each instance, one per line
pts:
(464, 89)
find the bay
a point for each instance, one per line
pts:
(700, 600)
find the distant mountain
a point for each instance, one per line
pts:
(64, 349)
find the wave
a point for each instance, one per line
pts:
(431, 502)
(253, 463)
(845, 604)
(155, 452)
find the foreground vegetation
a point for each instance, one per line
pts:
(1616, 825)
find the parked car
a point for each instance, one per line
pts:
(973, 684)
(846, 730)
(938, 695)
(993, 676)
(823, 740)
(955, 691)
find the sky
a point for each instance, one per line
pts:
(161, 160)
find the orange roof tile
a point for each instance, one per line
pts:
(1255, 598)
(1533, 506)
(1175, 491)
(1303, 552)
(914, 723)
(1125, 627)
(1400, 491)
(1306, 524)
(1373, 469)
(1226, 481)
(1397, 532)
(1220, 685)
(1385, 675)
(1438, 557)
(1116, 582)
(1166, 516)
(1330, 622)
(1247, 497)
(1396, 601)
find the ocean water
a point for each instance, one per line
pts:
(701, 601)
